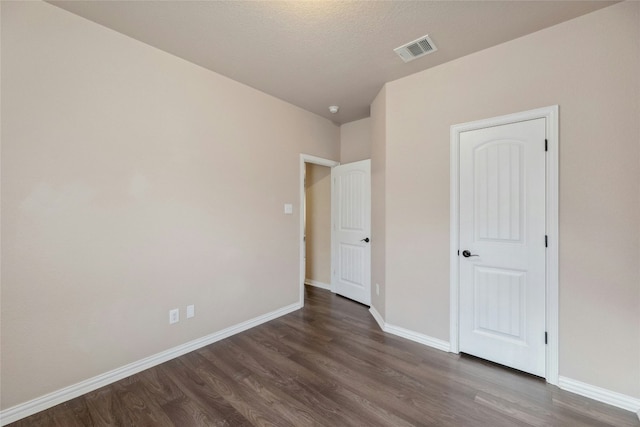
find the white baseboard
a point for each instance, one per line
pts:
(418, 337)
(409, 334)
(377, 316)
(600, 394)
(49, 400)
(317, 284)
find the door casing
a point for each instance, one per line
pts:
(551, 315)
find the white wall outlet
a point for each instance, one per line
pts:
(288, 208)
(191, 311)
(174, 316)
(377, 289)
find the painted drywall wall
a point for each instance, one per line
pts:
(355, 141)
(318, 223)
(131, 185)
(590, 66)
(378, 197)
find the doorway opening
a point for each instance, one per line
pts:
(317, 225)
(315, 237)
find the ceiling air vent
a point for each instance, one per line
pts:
(416, 49)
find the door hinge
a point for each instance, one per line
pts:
(546, 145)
(545, 338)
(546, 241)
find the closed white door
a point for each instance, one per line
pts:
(351, 223)
(502, 244)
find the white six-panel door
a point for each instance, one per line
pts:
(502, 226)
(351, 222)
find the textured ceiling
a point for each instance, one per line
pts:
(317, 54)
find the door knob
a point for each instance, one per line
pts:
(467, 254)
(366, 240)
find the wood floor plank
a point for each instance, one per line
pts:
(282, 383)
(328, 364)
(104, 407)
(189, 413)
(138, 408)
(201, 388)
(75, 414)
(360, 381)
(359, 363)
(283, 409)
(159, 387)
(232, 385)
(357, 409)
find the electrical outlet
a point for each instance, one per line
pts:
(174, 316)
(191, 311)
(377, 289)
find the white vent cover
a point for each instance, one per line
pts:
(416, 49)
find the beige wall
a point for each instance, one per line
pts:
(378, 197)
(355, 141)
(131, 185)
(590, 66)
(318, 223)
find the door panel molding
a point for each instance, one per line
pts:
(551, 254)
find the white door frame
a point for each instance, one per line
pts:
(306, 158)
(551, 116)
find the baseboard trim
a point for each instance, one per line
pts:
(600, 394)
(409, 334)
(378, 318)
(418, 337)
(49, 400)
(317, 284)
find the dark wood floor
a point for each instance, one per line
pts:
(328, 365)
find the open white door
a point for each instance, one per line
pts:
(351, 226)
(502, 244)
